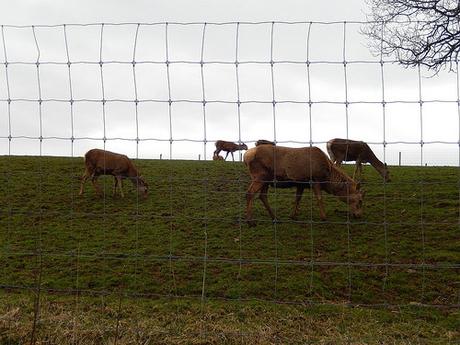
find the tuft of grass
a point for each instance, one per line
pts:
(187, 269)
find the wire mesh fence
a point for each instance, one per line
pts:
(66, 92)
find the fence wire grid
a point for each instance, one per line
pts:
(202, 264)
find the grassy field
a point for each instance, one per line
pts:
(182, 267)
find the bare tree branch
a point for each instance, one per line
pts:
(425, 32)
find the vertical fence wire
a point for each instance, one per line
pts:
(168, 79)
(385, 226)
(275, 223)
(137, 215)
(8, 173)
(173, 289)
(75, 338)
(103, 102)
(39, 249)
(345, 79)
(136, 113)
(310, 130)
(105, 215)
(205, 182)
(136, 97)
(458, 173)
(104, 135)
(8, 92)
(421, 181)
(203, 93)
(275, 167)
(71, 100)
(240, 190)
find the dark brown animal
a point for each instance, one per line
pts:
(228, 147)
(345, 150)
(99, 162)
(264, 142)
(298, 167)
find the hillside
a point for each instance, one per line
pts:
(186, 255)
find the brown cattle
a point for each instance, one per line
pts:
(298, 167)
(99, 162)
(345, 150)
(228, 147)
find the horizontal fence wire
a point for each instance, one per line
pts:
(231, 23)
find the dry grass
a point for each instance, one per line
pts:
(94, 321)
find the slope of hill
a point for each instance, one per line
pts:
(182, 266)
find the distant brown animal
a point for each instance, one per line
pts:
(217, 158)
(341, 150)
(297, 167)
(264, 142)
(99, 162)
(228, 147)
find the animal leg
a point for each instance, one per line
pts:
(317, 191)
(358, 170)
(264, 198)
(339, 159)
(115, 184)
(216, 152)
(120, 186)
(298, 197)
(226, 156)
(233, 158)
(83, 180)
(95, 185)
(254, 187)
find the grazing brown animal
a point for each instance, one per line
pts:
(99, 162)
(217, 158)
(228, 147)
(297, 167)
(341, 150)
(264, 142)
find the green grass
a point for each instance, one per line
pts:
(149, 254)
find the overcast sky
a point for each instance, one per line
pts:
(291, 89)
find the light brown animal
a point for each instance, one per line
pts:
(228, 147)
(217, 158)
(99, 162)
(345, 150)
(298, 167)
